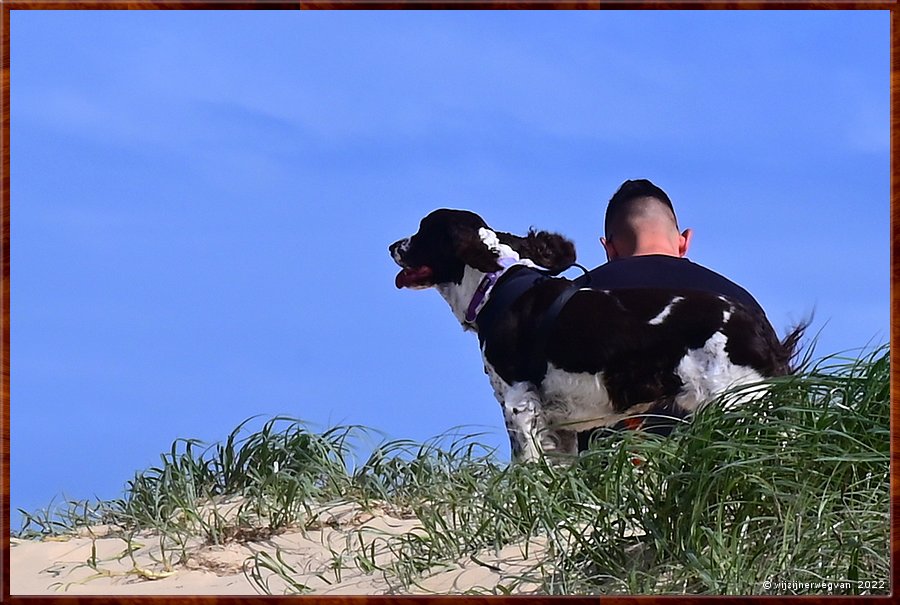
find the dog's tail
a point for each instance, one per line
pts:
(790, 348)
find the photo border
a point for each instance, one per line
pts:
(9, 5)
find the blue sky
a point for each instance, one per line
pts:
(201, 202)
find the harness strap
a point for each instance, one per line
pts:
(505, 294)
(514, 285)
(542, 333)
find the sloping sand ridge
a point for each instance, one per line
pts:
(346, 549)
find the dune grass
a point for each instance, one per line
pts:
(788, 489)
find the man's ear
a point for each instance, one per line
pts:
(611, 253)
(685, 242)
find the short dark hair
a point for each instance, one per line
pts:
(632, 190)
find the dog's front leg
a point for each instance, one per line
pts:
(523, 414)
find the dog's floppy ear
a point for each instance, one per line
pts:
(472, 250)
(549, 250)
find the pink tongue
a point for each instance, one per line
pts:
(412, 277)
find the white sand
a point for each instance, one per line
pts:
(98, 562)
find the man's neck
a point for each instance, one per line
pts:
(654, 246)
(651, 250)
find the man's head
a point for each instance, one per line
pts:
(640, 220)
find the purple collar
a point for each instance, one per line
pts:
(487, 282)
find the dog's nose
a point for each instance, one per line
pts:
(397, 248)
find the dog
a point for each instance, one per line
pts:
(565, 362)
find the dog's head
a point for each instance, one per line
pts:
(450, 240)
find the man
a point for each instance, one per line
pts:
(646, 249)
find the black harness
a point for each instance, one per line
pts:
(504, 294)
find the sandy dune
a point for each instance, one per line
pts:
(321, 558)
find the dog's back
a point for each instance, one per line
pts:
(614, 354)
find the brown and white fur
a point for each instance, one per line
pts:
(608, 356)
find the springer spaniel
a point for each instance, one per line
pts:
(564, 361)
